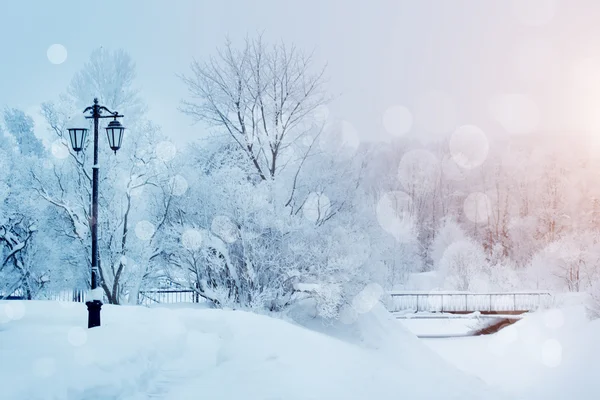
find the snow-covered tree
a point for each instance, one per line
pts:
(448, 233)
(23, 264)
(463, 265)
(260, 95)
(274, 204)
(20, 126)
(135, 186)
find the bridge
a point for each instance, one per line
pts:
(403, 302)
(489, 311)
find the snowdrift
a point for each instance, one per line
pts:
(549, 355)
(162, 353)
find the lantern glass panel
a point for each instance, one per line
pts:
(77, 137)
(114, 133)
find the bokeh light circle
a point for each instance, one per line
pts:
(192, 239)
(179, 185)
(166, 151)
(57, 54)
(59, 149)
(469, 146)
(225, 228)
(144, 230)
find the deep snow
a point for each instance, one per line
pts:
(549, 355)
(186, 353)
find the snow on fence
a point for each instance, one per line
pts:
(469, 302)
(78, 296)
(168, 296)
(61, 295)
(145, 297)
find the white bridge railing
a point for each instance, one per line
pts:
(468, 302)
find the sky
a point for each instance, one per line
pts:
(393, 66)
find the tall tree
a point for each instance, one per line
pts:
(20, 126)
(262, 96)
(134, 186)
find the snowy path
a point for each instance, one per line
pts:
(142, 353)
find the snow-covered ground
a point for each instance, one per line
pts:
(440, 325)
(548, 355)
(187, 353)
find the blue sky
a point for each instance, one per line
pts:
(379, 53)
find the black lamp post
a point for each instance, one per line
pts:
(114, 131)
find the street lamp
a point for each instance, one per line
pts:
(77, 135)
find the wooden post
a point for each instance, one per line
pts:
(466, 302)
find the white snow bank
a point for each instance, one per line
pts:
(162, 353)
(548, 355)
(445, 325)
(379, 332)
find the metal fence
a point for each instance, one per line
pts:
(73, 295)
(469, 302)
(145, 297)
(168, 296)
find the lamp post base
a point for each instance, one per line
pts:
(93, 313)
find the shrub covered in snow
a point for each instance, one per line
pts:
(593, 301)
(464, 265)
